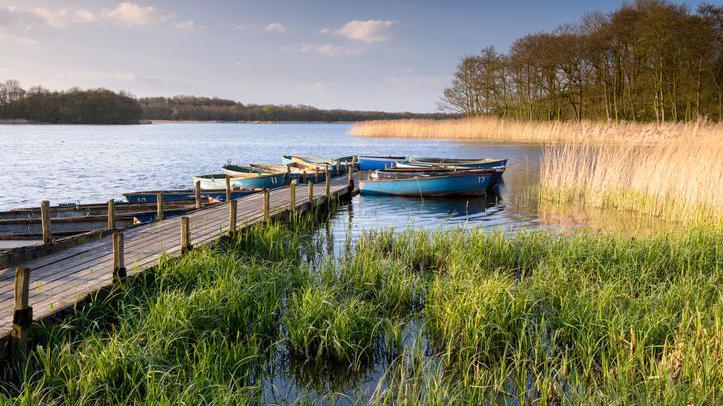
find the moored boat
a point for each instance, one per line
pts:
(311, 162)
(373, 163)
(415, 162)
(212, 195)
(263, 180)
(446, 183)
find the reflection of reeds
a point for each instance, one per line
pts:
(489, 128)
(677, 178)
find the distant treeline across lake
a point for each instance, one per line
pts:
(102, 106)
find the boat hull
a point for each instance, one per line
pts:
(183, 195)
(262, 182)
(481, 164)
(373, 163)
(472, 184)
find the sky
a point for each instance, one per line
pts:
(387, 55)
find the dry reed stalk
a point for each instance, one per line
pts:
(678, 178)
(490, 128)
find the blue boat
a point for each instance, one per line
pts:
(218, 181)
(455, 183)
(186, 194)
(415, 162)
(373, 163)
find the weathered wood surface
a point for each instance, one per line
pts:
(62, 279)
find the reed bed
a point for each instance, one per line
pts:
(681, 178)
(521, 319)
(495, 129)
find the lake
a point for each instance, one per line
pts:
(86, 163)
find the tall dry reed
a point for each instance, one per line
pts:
(490, 128)
(678, 177)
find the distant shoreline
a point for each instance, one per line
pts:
(22, 121)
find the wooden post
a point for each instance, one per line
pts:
(228, 188)
(119, 266)
(350, 176)
(267, 214)
(303, 177)
(316, 175)
(185, 235)
(288, 173)
(159, 206)
(23, 313)
(310, 185)
(45, 221)
(328, 184)
(111, 214)
(292, 197)
(232, 216)
(197, 193)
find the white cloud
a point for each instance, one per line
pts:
(275, 27)
(64, 17)
(132, 14)
(14, 39)
(365, 31)
(326, 49)
(188, 25)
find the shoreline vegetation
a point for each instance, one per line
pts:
(413, 318)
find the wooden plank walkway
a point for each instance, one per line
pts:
(62, 279)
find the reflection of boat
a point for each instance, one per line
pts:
(262, 180)
(181, 195)
(372, 163)
(432, 183)
(415, 162)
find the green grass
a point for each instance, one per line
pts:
(525, 318)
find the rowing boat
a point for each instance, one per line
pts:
(411, 183)
(210, 195)
(416, 162)
(263, 180)
(373, 163)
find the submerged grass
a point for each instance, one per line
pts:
(521, 319)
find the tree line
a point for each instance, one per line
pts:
(646, 61)
(215, 109)
(102, 106)
(74, 106)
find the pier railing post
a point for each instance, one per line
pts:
(159, 206)
(310, 186)
(350, 176)
(111, 214)
(316, 175)
(23, 313)
(45, 221)
(119, 266)
(232, 216)
(267, 214)
(292, 197)
(197, 193)
(328, 184)
(228, 188)
(185, 235)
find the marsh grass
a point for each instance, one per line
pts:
(679, 179)
(517, 319)
(495, 129)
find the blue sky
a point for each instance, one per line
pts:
(375, 55)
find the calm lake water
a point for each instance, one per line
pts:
(95, 163)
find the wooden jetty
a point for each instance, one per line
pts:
(41, 287)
